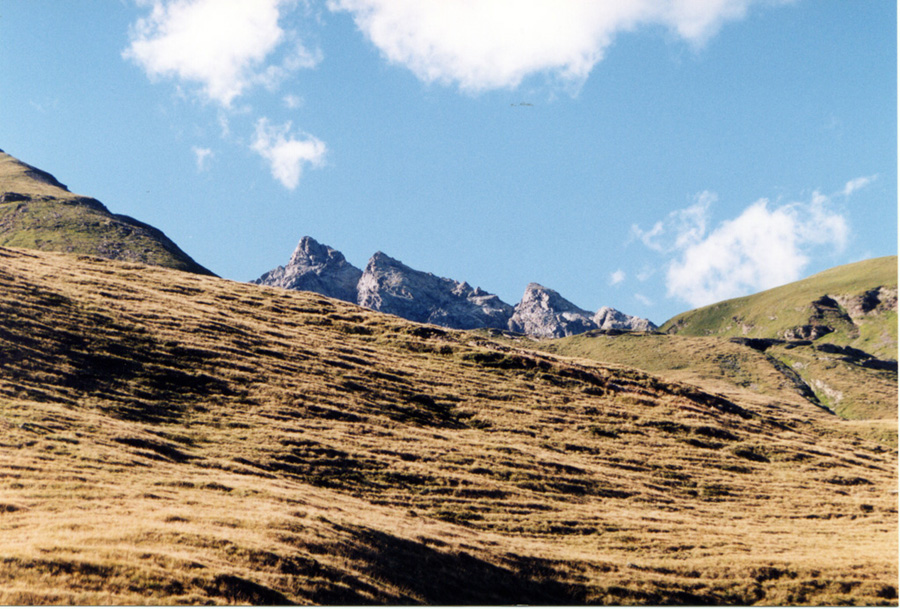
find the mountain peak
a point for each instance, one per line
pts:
(38, 211)
(315, 267)
(544, 313)
(310, 252)
(22, 178)
(389, 286)
(380, 258)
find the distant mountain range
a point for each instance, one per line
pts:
(389, 286)
(37, 211)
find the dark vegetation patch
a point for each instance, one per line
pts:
(169, 452)
(848, 481)
(433, 576)
(751, 453)
(234, 589)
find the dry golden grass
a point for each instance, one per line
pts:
(794, 373)
(173, 438)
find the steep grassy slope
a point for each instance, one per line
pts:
(852, 305)
(175, 438)
(37, 211)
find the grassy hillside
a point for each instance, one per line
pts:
(852, 305)
(175, 438)
(38, 212)
(791, 372)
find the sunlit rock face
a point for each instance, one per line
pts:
(389, 286)
(542, 312)
(314, 267)
(608, 318)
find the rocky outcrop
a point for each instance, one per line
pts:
(608, 318)
(873, 301)
(389, 286)
(807, 332)
(314, 267)
(542, 312)
(842, 312)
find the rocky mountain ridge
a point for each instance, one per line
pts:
(389, 286)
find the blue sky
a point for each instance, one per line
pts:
(651, 156)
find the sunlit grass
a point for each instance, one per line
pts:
(172, 438)
(773, 312)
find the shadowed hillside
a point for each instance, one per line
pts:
(39, 212)
(177, 438)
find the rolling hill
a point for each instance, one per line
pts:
(170, 437)
(830, 340)
(853, 305)
(37, 211)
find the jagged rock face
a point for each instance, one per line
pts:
(608, 318)
(542, 312)
(874, 301)
(389, 286)
(314, 267)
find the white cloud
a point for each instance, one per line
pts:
(763, 247)
(489, 44)
(226, 46)
(286, 153)
(292, 102)
(202, 155)
(857, 184)
(680, 228)
(643, 300)
(616, 277)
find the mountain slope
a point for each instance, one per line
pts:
(175, 438)
(825, 375)
(852, 305)
(39, 212)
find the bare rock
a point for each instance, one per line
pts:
(608, 318)
(314, 267)
(542, 312)
(874, 301)
(807, 332)
(389, 286)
